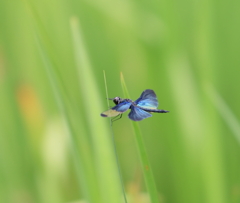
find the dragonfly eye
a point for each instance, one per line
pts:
(117, 100)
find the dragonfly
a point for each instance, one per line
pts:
(142, 108)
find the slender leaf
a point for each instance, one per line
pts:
(146, 167)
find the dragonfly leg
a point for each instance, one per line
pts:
(116, 118)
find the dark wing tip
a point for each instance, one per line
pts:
(103, 115)
(134, 119)
(137, 118)
(149, 90)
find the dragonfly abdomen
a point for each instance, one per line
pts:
(153, 110)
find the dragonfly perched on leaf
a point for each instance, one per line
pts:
(142, 108)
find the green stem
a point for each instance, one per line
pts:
(147, 171)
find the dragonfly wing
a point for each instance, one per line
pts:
(110, 113)
(123, 106)
(116, 110)
(138, 114)
(148, 99)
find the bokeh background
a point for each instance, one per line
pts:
(55, 147)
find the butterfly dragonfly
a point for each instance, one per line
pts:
(142, 108)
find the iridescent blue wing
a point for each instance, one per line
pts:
(138, 114)
(123, 106)
(148, 99)
(116, 110)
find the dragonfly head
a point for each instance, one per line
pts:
(116, 100)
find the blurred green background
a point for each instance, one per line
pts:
(55, 147)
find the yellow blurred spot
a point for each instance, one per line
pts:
(135, 195)
(54, 148)
(30, 106)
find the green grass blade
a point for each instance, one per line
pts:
(114, 143)
(82, 157)
(225, 111)
(105, 83)
(106, 166)
(147, 171)
(17, 168)
(79, 148)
